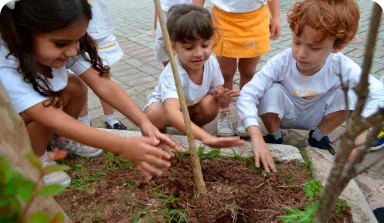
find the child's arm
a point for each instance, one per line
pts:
(175, 118)
(198, 2)
(275, 23)
(142, 151)
(260, 149)
(114, 95)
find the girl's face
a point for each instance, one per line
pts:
(193, 55)
(55, 48)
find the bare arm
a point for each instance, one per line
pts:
(198, 2)
(275, 23)
(114, 95)
(142, 151)
(260, 149)
(175, 118)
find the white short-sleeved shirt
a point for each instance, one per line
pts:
(166, 87)
(238, 6)
(282, 69)
(100, 25)
(21, 93)
(166, 4)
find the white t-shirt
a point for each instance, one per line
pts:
(238, 6)
(166, 4)
(100, 25)
(166, 88)
(21, 93)
(282, 69)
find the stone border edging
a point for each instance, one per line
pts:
(321, 165)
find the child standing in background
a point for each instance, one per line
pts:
(190, 29)
(244, 27)
(40, 41)
(100, 28)
(160, 53)
(300, 88)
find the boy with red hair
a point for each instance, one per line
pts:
(300, 87)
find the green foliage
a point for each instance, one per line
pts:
(298, 216)
(17, 193)
(313, 189)
(210, 155)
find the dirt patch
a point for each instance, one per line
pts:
(109, 189)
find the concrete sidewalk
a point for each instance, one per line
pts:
(137, 73)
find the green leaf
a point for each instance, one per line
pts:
(55, 168)
(212, 153)
(35, 161)
(59, 218)
(25, 189)
(39, 217)
(50, 190)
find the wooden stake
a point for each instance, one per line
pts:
(196, 167)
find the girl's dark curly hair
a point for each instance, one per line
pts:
(29, 17)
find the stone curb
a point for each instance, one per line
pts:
(321, 165)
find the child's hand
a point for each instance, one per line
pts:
(221, 142)
(263, 154)
(275, 28)
(225, 96)
(148, 129)
(143, 152)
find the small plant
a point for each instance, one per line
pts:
(17, 192)
(313, 191)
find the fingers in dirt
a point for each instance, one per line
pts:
(150, 170)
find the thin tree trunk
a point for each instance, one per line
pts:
(341, 173)
(196, 167)
(14, 145)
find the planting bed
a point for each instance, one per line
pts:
(109, 189)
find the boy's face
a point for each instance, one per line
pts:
(310, 56)
(53, 49)
(193, 55)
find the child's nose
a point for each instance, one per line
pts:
(198, 52)
(72, 50)
(302, 52)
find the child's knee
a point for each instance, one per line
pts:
(76, 88)
(156, 114)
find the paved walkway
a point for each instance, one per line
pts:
(138, 72)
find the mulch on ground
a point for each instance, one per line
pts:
(110, 189)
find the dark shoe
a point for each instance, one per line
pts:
(379, 144)
(269, 138)
(324, 143)
(379, 214)
(118, 126)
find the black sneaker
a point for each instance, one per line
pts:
(269, 138)
(324, 143)
(118, 126)
(379, 214)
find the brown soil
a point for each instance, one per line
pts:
(109, 189)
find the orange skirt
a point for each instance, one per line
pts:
(241, 35)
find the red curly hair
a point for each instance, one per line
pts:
(337, 19)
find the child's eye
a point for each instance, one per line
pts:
(60, 45)
(315, 48)
(188, 48)
(205, 45)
